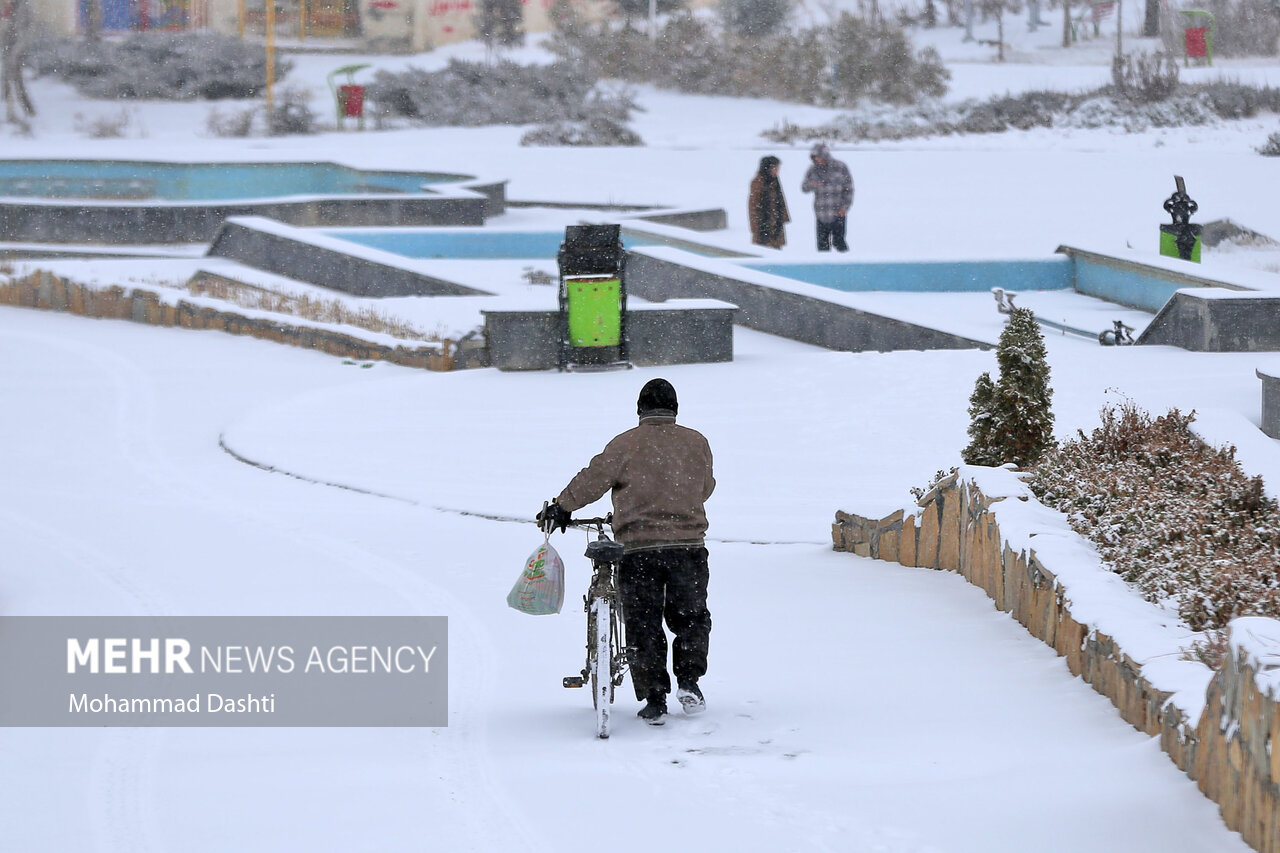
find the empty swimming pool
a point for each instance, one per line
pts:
(135, 201)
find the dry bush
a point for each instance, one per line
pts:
(1179, 520)
(1145, 78)
(1271, 148)
(318, 310)
(235, 124)
(108, 126)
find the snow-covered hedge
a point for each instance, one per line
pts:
(1199, 104)
(475, 94)
(1179, 520)
(1217, 724)
(157, 65)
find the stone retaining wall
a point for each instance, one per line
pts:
(49, 292)
(1232, 751)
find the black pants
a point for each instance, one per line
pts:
(670, 583)
(832, 233)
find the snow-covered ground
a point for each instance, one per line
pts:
(853, 705)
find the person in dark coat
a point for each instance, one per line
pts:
(766, 206)
(659, 475)
(832, 187)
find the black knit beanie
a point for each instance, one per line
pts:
(657, 394)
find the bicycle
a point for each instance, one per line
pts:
(606, 665)
(1118, 337)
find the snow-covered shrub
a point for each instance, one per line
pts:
(604, 125)
(1174, 517)
(700, 61)
(1022, 402)
(1231, 99)
(593, 131)
(158, 65)
(109, 126)
(235, 124)
(836, 65)
(982, 449)
(1194, 105)
(291, 114)
(1021, 112)
(1145, 78)
(754, 18)
(918, 492)
(875, 60)
(472, 94)
(1272, 146)
(1011, 418)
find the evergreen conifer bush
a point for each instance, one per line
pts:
(1011, 419)
(983, 429)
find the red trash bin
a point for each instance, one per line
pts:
(1197, 42)
(352, 98)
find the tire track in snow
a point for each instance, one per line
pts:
(506, 519)
(121, 770)
(122, 797)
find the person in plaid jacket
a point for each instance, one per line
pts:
(832, 187)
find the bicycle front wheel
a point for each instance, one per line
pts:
(601, 665)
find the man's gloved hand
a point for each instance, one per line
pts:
(552, 516)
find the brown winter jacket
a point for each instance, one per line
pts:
(660, 474)
(767, 212)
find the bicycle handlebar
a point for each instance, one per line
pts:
(592, 522)
(581, 523)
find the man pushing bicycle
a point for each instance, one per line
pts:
(660, 475)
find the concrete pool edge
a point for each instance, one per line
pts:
(440, 199)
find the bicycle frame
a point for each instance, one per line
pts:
(606, 663)
(1118, 337)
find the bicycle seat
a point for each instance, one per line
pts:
(604, 549)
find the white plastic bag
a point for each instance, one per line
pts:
(540, 589)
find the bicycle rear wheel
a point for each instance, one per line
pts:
(601, 664)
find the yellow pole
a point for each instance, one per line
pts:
(240, 18)
(302, 20)
(271, 56)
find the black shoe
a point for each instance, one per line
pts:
(691, 698)
(654, 711)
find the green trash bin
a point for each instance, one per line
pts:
(595, 311)
(593, 298)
